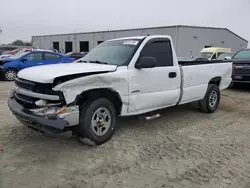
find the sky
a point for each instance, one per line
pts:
(21, 19)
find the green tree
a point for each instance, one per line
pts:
(18, 43)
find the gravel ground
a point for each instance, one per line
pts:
(183, 148)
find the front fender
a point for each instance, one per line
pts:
(112, 81)
(13, 65)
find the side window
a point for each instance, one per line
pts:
(34, 57)
(219, 53)
(161, 51)
(50, 56)
(214, 56)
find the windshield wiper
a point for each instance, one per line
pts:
(99, 62)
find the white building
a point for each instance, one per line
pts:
(188, 40)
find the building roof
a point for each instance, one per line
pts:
(159, 27)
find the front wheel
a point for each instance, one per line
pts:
(97, 122)
(211, 101)
(10, 74)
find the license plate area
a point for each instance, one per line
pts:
(238, 77)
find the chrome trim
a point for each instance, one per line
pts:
(19, 98)
(36, 95)
(25, 81)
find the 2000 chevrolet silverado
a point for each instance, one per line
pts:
(120, 77)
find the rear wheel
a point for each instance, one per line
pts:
(97, 122)
(10, 74)
(211, 100)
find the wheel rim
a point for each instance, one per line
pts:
(10, 75)
(213, 99)
(101, 121)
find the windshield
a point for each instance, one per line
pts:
(206, 55)
(117, 52)
(244, 54)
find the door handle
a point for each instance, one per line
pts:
(172, 75)
(40, 63)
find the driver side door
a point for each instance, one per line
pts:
(33, 59)
(157, 87)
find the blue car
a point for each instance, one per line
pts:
(9, 67)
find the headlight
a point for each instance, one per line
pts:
(67, 109)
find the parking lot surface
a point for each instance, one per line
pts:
(183, 148)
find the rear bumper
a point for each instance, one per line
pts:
(40, 123)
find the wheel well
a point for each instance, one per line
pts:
(11, 69)
(93, 94)
(215, 80)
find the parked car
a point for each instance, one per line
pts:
(225, 56)
(55, 50)
(121, 77)
(10, 66)
(5, 56)
(12, 52)
(4, 48)
(75, 55)
(84, 53)
(241, 66)
(212, 53)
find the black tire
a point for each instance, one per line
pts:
(206, 105)
(87, 113)
(10, 74)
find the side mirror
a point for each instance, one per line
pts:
(146, 62)
(227, 58)
(24, 59)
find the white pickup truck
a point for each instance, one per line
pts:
(120, 77)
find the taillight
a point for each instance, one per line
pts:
(232, 70)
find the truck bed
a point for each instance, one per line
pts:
(197, 74)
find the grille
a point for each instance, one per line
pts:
(29, 102)
(25, 84)
(24, 98)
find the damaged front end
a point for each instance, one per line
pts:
(40, 107)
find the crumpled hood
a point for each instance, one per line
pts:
(47, 73)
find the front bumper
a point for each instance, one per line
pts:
(39, 123)
(241, 79)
